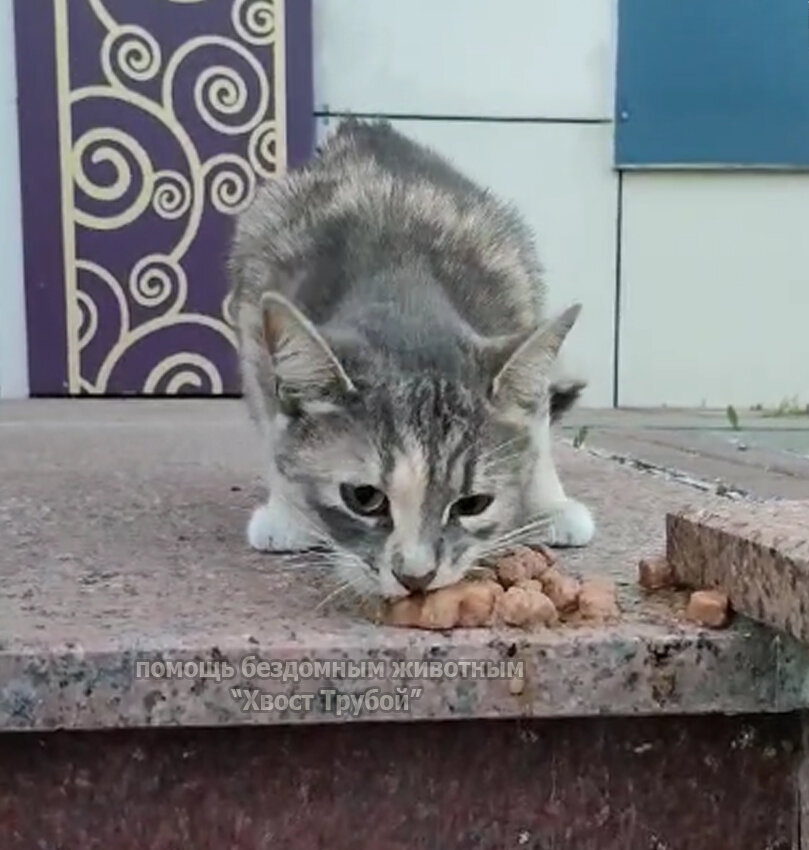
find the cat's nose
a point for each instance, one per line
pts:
(415, 583)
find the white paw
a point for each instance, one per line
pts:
(571, 525)
(273, 528)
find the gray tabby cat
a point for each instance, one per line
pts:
(394, 355)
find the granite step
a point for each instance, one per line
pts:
(160, 681)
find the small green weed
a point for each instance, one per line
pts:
(733, 417)
(788, 407)
(580, 436)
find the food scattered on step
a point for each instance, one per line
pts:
(478, 603)
(516, 686)
(526, 605)
(523, 564)
(530, 591)
(709, 608)
(597, 601)
(563, 590)
(469, 604)
(655, 573)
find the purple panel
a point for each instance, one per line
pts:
(300, 88)
(164, 148)
(39, 160)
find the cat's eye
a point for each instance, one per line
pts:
(471, 505)
(364, 500)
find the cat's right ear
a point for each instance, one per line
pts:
(304, 366)
(522, 365)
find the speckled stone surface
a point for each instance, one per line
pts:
(700, 783)
(122, 539)
(768, 457)
(758, 554)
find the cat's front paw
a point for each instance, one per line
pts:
(272, 529)
(571, 524)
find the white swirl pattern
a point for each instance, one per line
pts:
(261, 149)
(186, 367)
(153, 281)
(171, 197)
(89, 320)
(222, 91)
(134, 51)
(117, 149)
(254, 21)
(232, 183)
(114, 182)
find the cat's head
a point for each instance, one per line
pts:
(410, 475)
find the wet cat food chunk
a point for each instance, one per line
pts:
(709, 608)
(655, 573)
(526, 605)
(525, 589)
(521, 565)
(405, 612)
(562, 590)
(466, 605)
(478, 603)
(597, 600)
(516, 685)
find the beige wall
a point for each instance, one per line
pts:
(714, 282)
(715, 289)
(547, 62)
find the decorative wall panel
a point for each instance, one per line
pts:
(146, 125)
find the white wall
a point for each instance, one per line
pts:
(549, 63)
(13, 346)
(526, 58)
(715, 289)
(714, 273)
(559, 176)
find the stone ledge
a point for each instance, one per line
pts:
(644, 670)
(757, 553)
(123, 541)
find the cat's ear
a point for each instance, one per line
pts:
(304, 365)
(522, 365)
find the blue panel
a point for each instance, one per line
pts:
(713, 82)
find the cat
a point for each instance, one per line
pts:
(396, 360)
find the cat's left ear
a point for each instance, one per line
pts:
(524, 366)
(304, 365)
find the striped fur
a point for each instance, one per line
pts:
(391, 328)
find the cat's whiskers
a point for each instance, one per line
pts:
(490, 462)
(338, 591)
(355, 571)
(349, 568)
(303, 560)
(317, 533)
(500, 462)
(491, 453)
(325, 554)
(509, 539)
(522, 535)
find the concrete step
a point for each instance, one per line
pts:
(158, 679)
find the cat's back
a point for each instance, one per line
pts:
(372, 198)
(356, 145)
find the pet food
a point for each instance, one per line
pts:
(709, 608)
